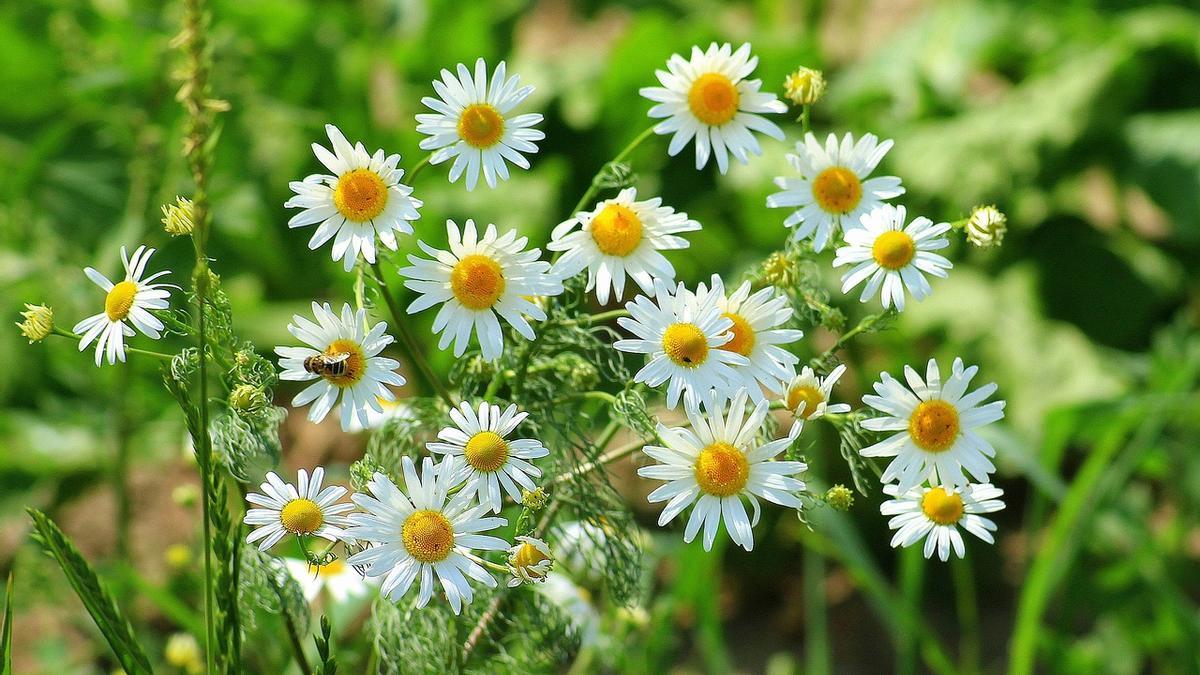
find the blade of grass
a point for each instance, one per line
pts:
(6, 640)
(967, 608)
(816, 623)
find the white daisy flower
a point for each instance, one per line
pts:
(716, 463)
(682, 336)
(832, 190)
(756, 335)
(886, 253)
(708, 97)
(343, 356)
(808, 395)
(129, 299)
(477, 279)
(303, 509)
(341, 581)
(377, 419)
(621, 238)
(529, 561)
(419, 535)
(492, 461)
(472, 124)
(934, 514)
(937, 439)
(363, 198)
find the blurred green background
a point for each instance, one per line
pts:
(1079, 119)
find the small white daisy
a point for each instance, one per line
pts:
(132, 299)
(341, 581)
(529, 561)
(303, 509)
(343, 356)
(621, 237)
(716, 463)
(708, 97)
(682, 336)
(936, 425)
(477, 279)
(756, 335)
(886, 253)
(419, 535)
(934, 513)
(363, 198)
(491, 461)
(808, 395)
(833, 191)
(471, 124)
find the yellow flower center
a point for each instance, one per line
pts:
(617, 230)
(477, 281)
(353, 368)
(526, 557)
(480, 125)
(893, 249)
(360, 195)
(486, 451)
(807, 394)
(934, 425)
(943, 508)
(334, 567)
(301, 516)
(837, 189)
(722, 470)
(743, 335)
(119, 300)
(713, 99)
(685, 344)
(428, 536)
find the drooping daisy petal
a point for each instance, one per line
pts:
(709, 99)
(342, 360)
(304, 509)
(473, 125)
(935, 514)
(362, 199)
(129, 301)
(478, 280)
(833, 189)
(621, 238)
(892, 257)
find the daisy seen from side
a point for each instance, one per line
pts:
(708, 98)
(305, 509)
(936, 427)
(342, 356)
(476, 281)
(621, 238)
(892, 257)
(833, 189)
(489, 460)
(935, 514)
(717, 463)
(417, 534)
(808, 395)
(361, 200)
(129, 301)
(339, 580)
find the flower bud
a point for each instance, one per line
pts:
(986, 226)
(529, 561)
(38, 323)
(535, 499)
(177, 218)
(805, 86)
(247, 397)
(840, 497)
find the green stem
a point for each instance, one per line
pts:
(594, 188)
(967, 607)
(133, 350)
(867, 323)
(124, 431)
(410, 341)
(912, 569)
(805, 113)
(418, 168)
(816, 623)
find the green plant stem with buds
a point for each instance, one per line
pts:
(410, 341)
(595, 186)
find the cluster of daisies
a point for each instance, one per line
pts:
(722, 352)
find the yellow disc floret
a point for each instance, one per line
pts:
(301, 516)
(713, 99)
(837, 189)
(722, 470)
(119, 300)
(807, 394)
(428, 536)
(934, 425)
(617, 230)
(477, 281)
(685, 344)
(743, 335)
(943, 508)
(893, 249)
(353, 368)
(360, 195)
(486, 451)
(480, 125)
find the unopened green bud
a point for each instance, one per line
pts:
(840, 497)
(535, 499)
(247, 397)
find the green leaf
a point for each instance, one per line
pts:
(96, 599)
(6, 640)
